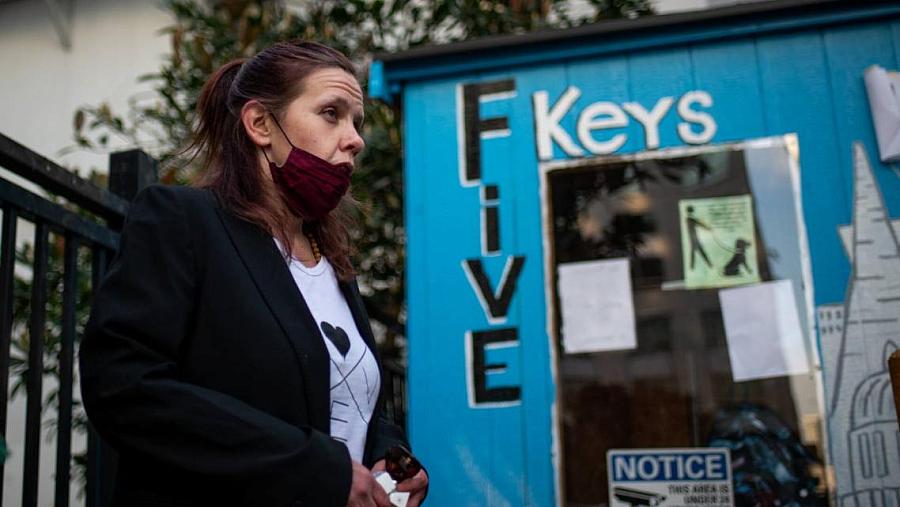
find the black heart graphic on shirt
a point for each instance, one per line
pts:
(338, 337)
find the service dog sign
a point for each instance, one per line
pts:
(698, 477)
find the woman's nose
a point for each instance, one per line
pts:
(353, 142)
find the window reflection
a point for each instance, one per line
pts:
(672, 389)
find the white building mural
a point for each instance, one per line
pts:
(858, 336)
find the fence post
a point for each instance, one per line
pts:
(129, 172)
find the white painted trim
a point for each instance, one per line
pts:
(497, 290)
(651, 119)
(555, 456)
(461, 140)
(601, 116)
(484, 200)
(470, 378)
(792, 146)
(508, 344)
(497, 404)
(555, 443)
(674, 152)
(490, 97)
(484, 251)
(546, 123)
(494, 134)
(702, 118)
(477, 290)
(461, 131)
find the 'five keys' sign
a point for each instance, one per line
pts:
(699, 477)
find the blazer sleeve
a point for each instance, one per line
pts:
(386, 435)
(130, 383)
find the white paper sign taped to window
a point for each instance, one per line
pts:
(763, 331)
(883, 89)
(596, 306)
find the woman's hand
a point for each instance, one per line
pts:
(416, 486)
(364, 491)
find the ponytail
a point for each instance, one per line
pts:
(217, 121)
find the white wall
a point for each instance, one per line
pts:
(42, 84)
(670, 6)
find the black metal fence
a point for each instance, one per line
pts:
(87, 225)
(395, 391)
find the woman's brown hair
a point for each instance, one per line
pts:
(229, 160)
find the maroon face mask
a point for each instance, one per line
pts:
(312, 186)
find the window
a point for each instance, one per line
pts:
(879, 449)
(865, 454)
(680, 371)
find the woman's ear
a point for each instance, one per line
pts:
(254, 119)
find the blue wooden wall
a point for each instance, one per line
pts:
(807, 80)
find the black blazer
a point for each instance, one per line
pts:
(203, 367)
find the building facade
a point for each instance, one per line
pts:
(652, 234)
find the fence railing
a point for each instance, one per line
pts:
(98, 235)
(395, 391)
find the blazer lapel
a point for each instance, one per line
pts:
(273, 278)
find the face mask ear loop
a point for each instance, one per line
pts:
(282, 130)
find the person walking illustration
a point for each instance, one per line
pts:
(692, 224)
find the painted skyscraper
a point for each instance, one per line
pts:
(857, 336)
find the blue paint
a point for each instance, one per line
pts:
(619, 43)
(713, 70)
(377, 89)
(766, 75)
(647, 84)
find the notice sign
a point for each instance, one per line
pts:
(698, 477)
(718, 242)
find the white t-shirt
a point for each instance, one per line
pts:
(355, 379)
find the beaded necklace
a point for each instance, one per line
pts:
(314, 245)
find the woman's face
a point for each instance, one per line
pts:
(324, 119)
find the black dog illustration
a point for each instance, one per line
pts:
(733, 268)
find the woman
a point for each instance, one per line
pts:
(229, 358)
